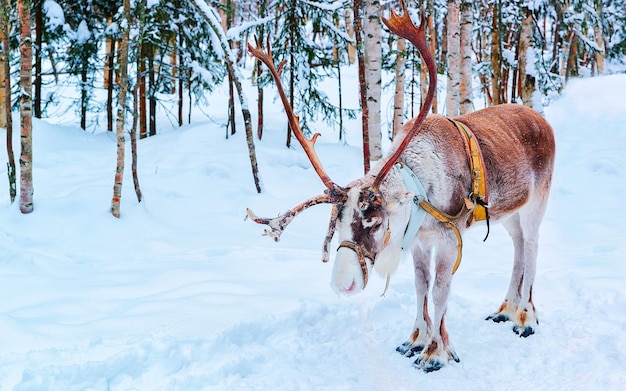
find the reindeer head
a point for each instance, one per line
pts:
(369, 215)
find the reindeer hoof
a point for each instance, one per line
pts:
(523, 331)
(429, 365)
(498, 318)
(434, 362)
(407, 349)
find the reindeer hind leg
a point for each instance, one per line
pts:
(526, 320)
(508, 308)
(518, 306)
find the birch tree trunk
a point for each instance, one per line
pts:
(398, 101)
(121, 111)
(597, 32)
(349, 15)
(373, 74)
(358, 31)
(526, 59)
(454, 59)
(26, 101)
(6, 101)
(467, 19)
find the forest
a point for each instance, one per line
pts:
(130, 63)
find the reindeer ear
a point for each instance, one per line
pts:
(398, 200)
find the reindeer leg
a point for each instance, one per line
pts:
(509, 306)
(526, 322)
(421, 330)
(518, 305)
(438, 351)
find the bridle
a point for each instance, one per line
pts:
(361, 254)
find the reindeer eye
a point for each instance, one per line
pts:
(372, 222)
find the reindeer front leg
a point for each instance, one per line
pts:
(421, 330)
(438, 351)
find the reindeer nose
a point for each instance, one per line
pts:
(352, 289)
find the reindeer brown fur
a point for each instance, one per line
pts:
(371, 214)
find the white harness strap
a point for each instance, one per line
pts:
(418, 213)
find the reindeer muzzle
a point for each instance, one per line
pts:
(361, 254)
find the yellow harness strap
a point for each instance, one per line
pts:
(448, 221)
(480, 193)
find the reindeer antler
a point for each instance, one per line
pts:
(403, 26)
(279, 223)
(294, 121)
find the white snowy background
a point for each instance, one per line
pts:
(181, 293)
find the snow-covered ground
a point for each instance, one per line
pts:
(182, 294)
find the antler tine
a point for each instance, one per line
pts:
(278, 224)
(332, 224)
(403, 26)
(294, 122)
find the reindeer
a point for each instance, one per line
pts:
(426, 193)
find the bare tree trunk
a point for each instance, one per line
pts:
(39, 26)
(109, 82)
(526, 60)
(292, 60)
(423, 70)
(572, 57)
(180, 78)
(174, 64)
(133, 151)
(143, 110)
(341, 130)
(373, 74)
(349, 15)
(231, 106)
(152, 102)
(454, 59)
(260, 30)
(495, 56)
(358, 30)
(398, 101)
(121, 112)
(26, 114)
(6, 88)
(84, 98)
(467, 19)
(4, 58)
(259, 102)
(597, 32)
